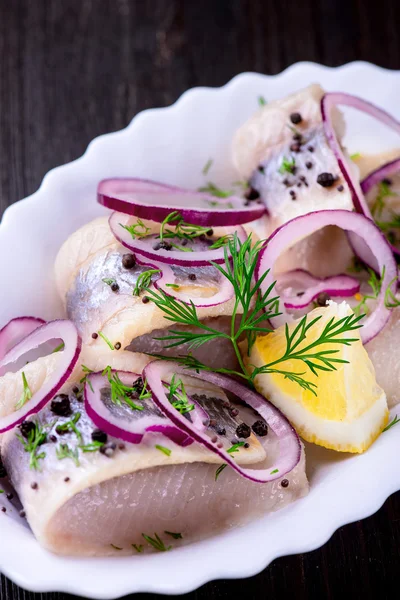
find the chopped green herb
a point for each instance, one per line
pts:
(107, 341)
(1, 491)
(138, 547)
(274, 471)
(144, 280)
(59, 348)
(287, 166)
(156, 542)
(214, 190)
(387, 226)
(175, 286)
(138, 229)
(121, 392)
(64, 451)
(181, 248)
(219, 470)
(178, 397)
(176, 536)
(390, 299)
(262, 101)
(384, 192)
(394, 421)
(85, 379)
(235, 447)
(207, 166)
(70, 426)
(376, 285)
(355, 156)
(109, 281)
(37, 436)
(163, 449)
(26, 394)
(92, 447)
(220, 242)
(115, 547)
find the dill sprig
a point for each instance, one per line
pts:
(156, 542)
(390, 299)
(394, 421)
(106, 340)
(257, 307)
(287, 166)
(163, 449)
(85, 379)
(214, 190)
(376, 285)
(26, 393)
(70, 426)
(384, 192)
(387, 226)
(143, 281)
(122, 393)
(261, 101)
(64, 451)
(177, 396)
(36, 437)
(138, 229)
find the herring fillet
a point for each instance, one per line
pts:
(108, 502)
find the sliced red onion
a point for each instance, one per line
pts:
(200, 256)
(309, 287)
(59, 329)
(15, 331)
(133, 430)
(155, 201)
(167, 283)
(328, 102)
(303, 226)
(289, 444)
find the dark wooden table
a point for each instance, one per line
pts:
(73, 69)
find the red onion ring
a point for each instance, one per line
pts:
(144, 246)
(328, 102)
(339, 285)
(293, 231)
(15, 331)
(289, 443)
(134, 431)
(155, 201)
(59, 329)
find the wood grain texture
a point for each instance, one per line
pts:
(73, 69)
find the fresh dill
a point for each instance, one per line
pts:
(214, 190)
(36, 437)
(219, 470)
(109, 282)
(257, 308)
(387, 226)
(70, 426)
(85, 379)
(178, 397)
(106, 340)
(355, 156)
(138, 547)
(138, 229)
(156, 542)
(144, 280)
(183, 230)
(384, 192)
(261, 101)
(394, 421)
(274, 471)
(174, 286)
(376, 285)
(235, 447)
(92, 447)
(390, 299)
(176, 536)
(220, 242)
(163, 449)
(287, 166)
(120, 392)
(59, 348)
(207, 166)
(26, 394)
(64, 451)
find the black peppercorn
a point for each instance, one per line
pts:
(221, 431)
(99, 436)
(292, 194)
(234, 412)
(117, 346)
(296, 118)
(210, 232)
(61, 406)
(53, 438)
(128, 261)
(340, 188)
(145, 299)
(34, 485)
(243, 431)
(26, 428)
(284, 483)
(95, 335)
(66, 479)
(75, 389)
(3, 509)
(309, 164)
(295, 147)
(298, 137)
(115, 287)
(326, 179)
(322, 299)
(310, 148)
(252, 194)
(108, 449)
(192, 277)
(247, 445)
(260, 428)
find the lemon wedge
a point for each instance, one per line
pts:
(348, 410)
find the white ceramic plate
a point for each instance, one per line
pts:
(172, 145)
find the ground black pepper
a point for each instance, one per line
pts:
(296, 118)
(99, 436)
(22, 514)
(61, 405)
(284, 483)
(310, 148)
(9, 496)
(260, 428)
(128, 261)
(326, 179)
(243, 431)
